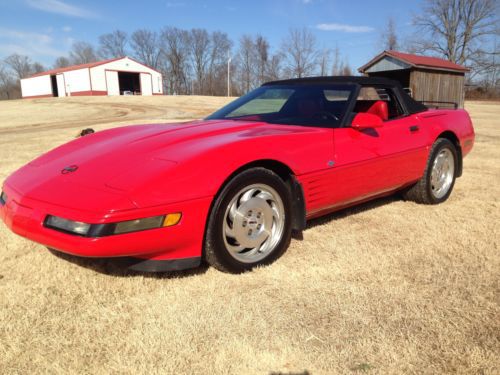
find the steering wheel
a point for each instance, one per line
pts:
(325, 115)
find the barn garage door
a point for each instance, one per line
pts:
(61, 85)
(112, 82)
(146, 87)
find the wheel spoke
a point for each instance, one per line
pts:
(265, 195)
(247, 196)
(276, 213)
(235, 249)
(229, 232)
(232, 211)
(440, 160)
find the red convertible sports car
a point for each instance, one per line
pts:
(231, 188)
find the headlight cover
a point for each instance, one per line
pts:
(65, 225)
(139, 224)
(103, 230)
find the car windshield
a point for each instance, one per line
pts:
(306, 105)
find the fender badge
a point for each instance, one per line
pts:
(69, 169)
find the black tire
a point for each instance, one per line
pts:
(215, 251)
(422, 192)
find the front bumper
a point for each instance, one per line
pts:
(25, 217)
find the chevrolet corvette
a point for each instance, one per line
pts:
(230, 189)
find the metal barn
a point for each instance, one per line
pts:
(430, 80)
(121, 76)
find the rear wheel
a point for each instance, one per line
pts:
(250, 222)
(438, 180)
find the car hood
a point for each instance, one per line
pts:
(101, 162)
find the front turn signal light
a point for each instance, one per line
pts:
(172, 219)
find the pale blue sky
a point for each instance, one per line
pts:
(45, 29)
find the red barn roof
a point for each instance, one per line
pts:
(75, 67)
(418, 61)
(85, 66)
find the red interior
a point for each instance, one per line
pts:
(380, 109)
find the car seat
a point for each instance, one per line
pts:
(380, 109)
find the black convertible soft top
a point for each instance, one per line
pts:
(412, 105)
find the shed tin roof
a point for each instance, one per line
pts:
(425, 62)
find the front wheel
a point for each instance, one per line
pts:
(250, 222)
(438, 180)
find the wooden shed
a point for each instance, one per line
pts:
(430, 80)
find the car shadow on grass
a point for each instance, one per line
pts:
(117, 267)
(353, 210)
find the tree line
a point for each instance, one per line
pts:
(195, 61)
(199, 62)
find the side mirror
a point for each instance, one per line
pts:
(366, 121)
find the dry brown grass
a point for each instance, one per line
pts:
(388, 287)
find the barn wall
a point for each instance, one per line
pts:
(77, 81)
(146, 84)
(36, 86)
(443, 86)
(112, 83)
(61, 85)
(98, 75)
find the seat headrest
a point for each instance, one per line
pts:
(380, 109)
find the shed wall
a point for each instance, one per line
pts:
(427, 85)
(386, 64)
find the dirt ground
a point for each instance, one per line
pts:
(386, 287)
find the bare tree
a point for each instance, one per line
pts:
(336, 67)
(113, 44)
(219, 55)
(146, 47)
(274, 68)
(389, 36)
(8, 87)
(262, 58)
(455, 30)
(20, 64)
(200, 55)
(61, 62)
(37, 68)
(175, 47)
(247, 60)
(324, 60)
(299, 49)
(82, 53)
(346, 69)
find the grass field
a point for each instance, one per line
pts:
(387, 287)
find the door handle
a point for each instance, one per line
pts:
(414, 128)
